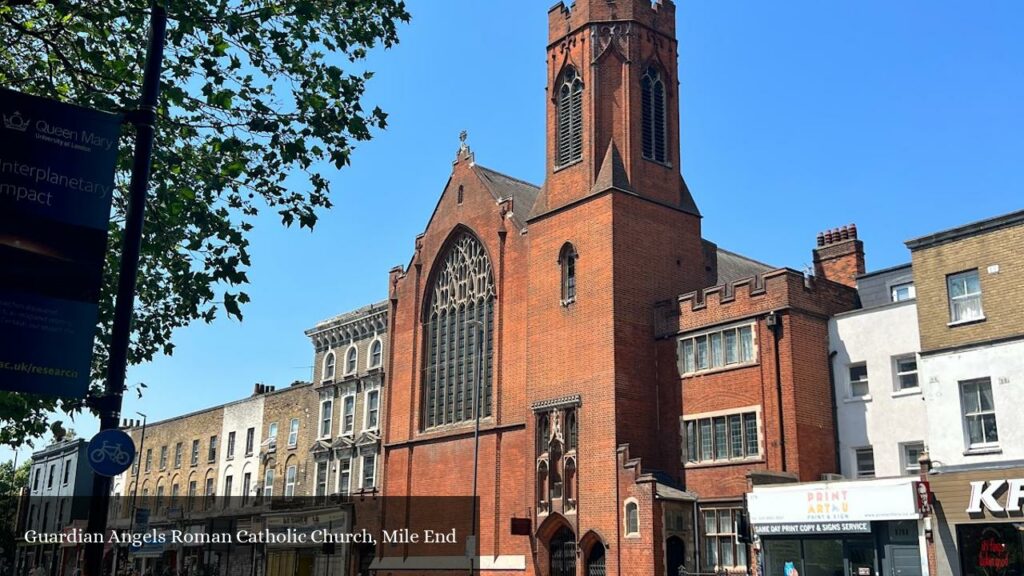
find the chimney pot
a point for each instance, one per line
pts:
(821, 239)
(845, 232)
(853, 231)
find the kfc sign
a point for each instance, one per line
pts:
(996, 496)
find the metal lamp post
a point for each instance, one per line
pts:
(476, 439)
(138, 469)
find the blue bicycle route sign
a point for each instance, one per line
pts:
(111, 452)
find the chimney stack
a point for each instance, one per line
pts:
(839, 255)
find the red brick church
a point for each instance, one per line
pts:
(577, 287)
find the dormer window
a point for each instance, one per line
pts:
(652, 95)
(569, 118)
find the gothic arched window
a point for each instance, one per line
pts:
(567, 260)
(460, 302)
(652, 95)
(569, 118)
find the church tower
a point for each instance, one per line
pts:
(613, 232)
(613, 103)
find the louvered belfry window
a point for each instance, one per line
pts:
(652, 94)
(462, 294)
(569, 116)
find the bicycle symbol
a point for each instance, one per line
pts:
(112, 452)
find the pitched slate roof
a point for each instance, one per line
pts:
(503, 186)
(726, 267)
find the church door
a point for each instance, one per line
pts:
(595, 560)
(563, 553)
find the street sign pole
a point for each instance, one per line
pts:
(144, 120)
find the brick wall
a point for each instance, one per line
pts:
(1002, 291)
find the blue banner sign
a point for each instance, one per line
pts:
(56, 180)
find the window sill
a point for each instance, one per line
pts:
(658, 162)
(718, 463)
(982, 451)
(568, 302)
(725, 368)
(569, 165)
(906, 392)
(857, 399)
(965, 322)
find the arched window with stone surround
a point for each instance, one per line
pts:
(460, 302)
(328, 372)
(652, 97)
(568, 118)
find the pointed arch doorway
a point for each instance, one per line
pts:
(563, 553)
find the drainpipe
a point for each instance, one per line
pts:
(774, 323)
(835, 409)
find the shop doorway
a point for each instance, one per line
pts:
(902, 560)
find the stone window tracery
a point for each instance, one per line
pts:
(569, 118)
(461, 302)
(652, 96)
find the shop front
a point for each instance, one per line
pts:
(978, 525)
(846, 528)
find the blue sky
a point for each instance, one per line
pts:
(797, 116)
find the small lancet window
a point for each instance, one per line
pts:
(652, 95)
(567, 260)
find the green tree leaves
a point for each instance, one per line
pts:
(252, 91)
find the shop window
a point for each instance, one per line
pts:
(990, 549)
